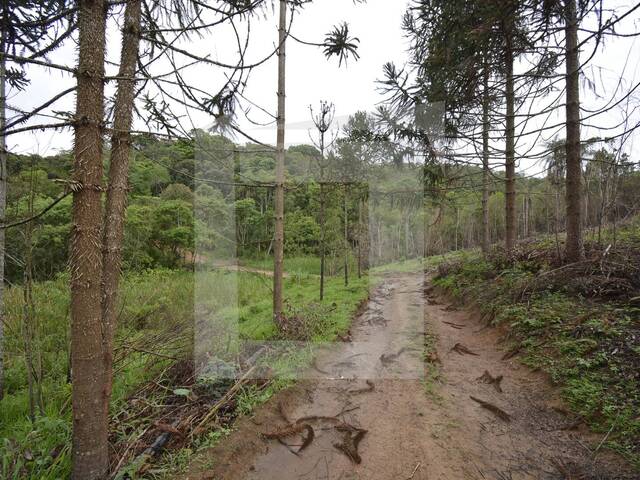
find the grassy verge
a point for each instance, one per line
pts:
(301, 264)
(571, 322)
(153, 305)
(155, 328)
(324, 320)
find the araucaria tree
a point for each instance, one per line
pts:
(338, 43)
(322, 121)
(90, 423)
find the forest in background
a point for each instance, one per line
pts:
(165, 195)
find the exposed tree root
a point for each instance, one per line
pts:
(489, 379)
(315, 366)
(462, 350)
(498, 412)
(369, 388)
(350, 442)
(511, 353)
(454, 325)
(387, 358)
(291, 431)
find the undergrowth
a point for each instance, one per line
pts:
(155, 330)
(587, 340)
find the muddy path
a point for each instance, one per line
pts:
(396, 403)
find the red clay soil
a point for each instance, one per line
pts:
(460, 413)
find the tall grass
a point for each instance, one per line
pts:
(151, 302)
(156, 314)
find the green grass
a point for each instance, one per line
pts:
(416, 264)
(156, 313)
(152, 302)
(299, 264)
(303, 264)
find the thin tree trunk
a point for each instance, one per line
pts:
(278, 248)
(322, 237)
(32, 357)
(510, 163)
(574, 246)
(360, 228)
(118, 184)
(556, 226)
(456, 230)
(346, 240)
(485, 160)
(90, 424)
(3, 198)
(27, 318)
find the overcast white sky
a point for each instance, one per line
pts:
(310, 77)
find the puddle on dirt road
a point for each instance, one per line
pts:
(375, 415)
(386, 354)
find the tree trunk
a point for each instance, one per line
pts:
(322, 240)
(90, 426)
(455, 243)
(322, 217)
(510, 162)
(32, 356)
(118, 184)
(556, 223)
(278, 253)
(3, 199)
(360, 229)
(346, 240)
(574, 246)
(485, 161)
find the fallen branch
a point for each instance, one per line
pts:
(223, 401)
(139, 464)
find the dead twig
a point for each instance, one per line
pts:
(223, 401)
(413, 474)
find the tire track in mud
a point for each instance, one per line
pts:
(381, 408)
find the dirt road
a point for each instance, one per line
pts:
(415, 406)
